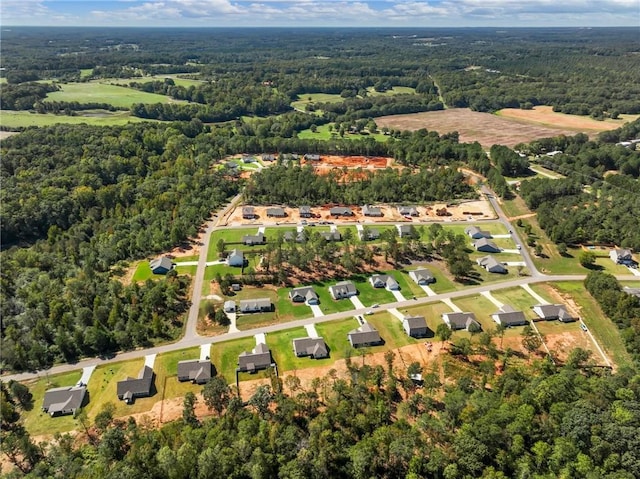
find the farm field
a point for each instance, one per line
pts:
(544, 115)
(23, 119)
(93, 92)
(485, 128)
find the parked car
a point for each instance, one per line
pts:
(583, 326)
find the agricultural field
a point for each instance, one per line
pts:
(94, 92)
(24, 119)
(485, 128)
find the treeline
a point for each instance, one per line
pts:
(77, 200)
(622, 308)
(300, 185)
(354, 108)
(25, 95)
(530, 421)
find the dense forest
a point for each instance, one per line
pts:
(535, 421)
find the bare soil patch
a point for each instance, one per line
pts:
(7, 134)
(485, 128)
(544, 115)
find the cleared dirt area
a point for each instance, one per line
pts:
(485, 128)
(328, 162)
(544, 115)
(7, 134)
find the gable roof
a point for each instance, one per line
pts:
(491, 264)
(408, 210)
(486, 245)
(341, 210)
(163, 262)
(552, 311)
(305, 210)
(305, 292)
(365, 334)
(235, 256)
(507, 316)
(248, 211)
(257, 238)
(276, 211)
(257, 304)
(140, 386)
(369, 210)
(315, 347)
(415, 322)
(343, 288)
(404, 229)
(258, 358)
(195, 370)
(331, 235)
(421, 275)
(462, 320)
(64, 400)
(476, 232)
(388, 281)
(368, 234)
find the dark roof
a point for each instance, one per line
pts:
(385, 279)
(368, 210)
(415, 322)
(255, 304)
(485, 243)
(507, 316)
(305, 209)
(64, 400)
(255, 239)
(552, 311)
(195, 370)
(140, 386)
(422, 274)
(305, 292)
(163, 262)
(248, 210)
(331, 235)
(276, 211)
(371, 233)
(365, 334)
(258, 358)
(315, 347)
(341, 210)
(408, 210)
(343, 288)
(490, 263)
(460, 320)
(477, 232)
(404, 229)
(235, 254)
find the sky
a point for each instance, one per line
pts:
(322, 13)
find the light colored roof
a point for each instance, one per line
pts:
(253, 304)
(162, 262)
(365, 334)
(343, 287)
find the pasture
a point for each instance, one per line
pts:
(94, 92)
(23, 119)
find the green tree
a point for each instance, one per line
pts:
(188, 409)
(443, 332)
(587, 258)
(216, 394)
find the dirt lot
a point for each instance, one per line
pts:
(479, 209)
(485, 128)
(328, 162)
(7, 134)
(544, 115)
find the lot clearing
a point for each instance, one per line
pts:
(329, 162)
(509, 127)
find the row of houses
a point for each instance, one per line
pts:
(249, 212)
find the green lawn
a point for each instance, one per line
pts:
(492, 227)
(225, 356)
(443, 283)
(328, 305)
(310, 98)
(606, 333)
(515, 207)
(23, 119)
(190, 270)
(288, 309)
(408, 286)
(166, 369)
(432, 313)
(370, 295)
(95, 92)
(281, 344)
(335, 335)
(541, 291)
(390, 329)
(232, 239)
(323, 133)
(38, 422)
(481, 307)
(517, 298)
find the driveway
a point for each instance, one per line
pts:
(357, 303)
(317, 312)
(86, 374)
(489, 296)
(398, 295)
(311, 330)
(396, 313)
(452, 305)
(205, 351)
(536, 296)
(428, 290)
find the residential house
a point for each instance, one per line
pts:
(64, 400)
(316, 348)
(267, 157)
(486, 246)
(248, 159)
(255, 239)
(343, 289)
(305, 212)
(298, 237)
(408, 211)
(161, 265)
(304, 294)
(461, 321)
(476, 233)
(405, 230)
(368, 210)
(507, 316)
(249, 213)
(331, 235)
(259, 305)
(276, 212)
(312, 157)
(196, 371)
(622, 256)
(368, 234)
(384, 281)
(365, 335)
(131, 388)
(340, 211)
(236, 286)
(259, 358)
(551, 312)
(416, 327)
(229, 306)
(422, 276)
(491, 264)
(235, 258)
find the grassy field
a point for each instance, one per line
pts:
(335, 335)
(95, 92)
(370, 295)
(605, 332)
(232, 239)
(517, 298)
(328, 305)
(323, 133)
(312, 98)
(432, 313)
(185, 82)
(225, 356)
(396, 90)
(481, 307)
(166, 369)
(408, 286)
(23, 119)
(494, 228)
(390, 329)
(515, 207)
(38, 422)
(443, 283)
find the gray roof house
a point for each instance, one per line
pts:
(340, 211)
(365, 335)
(416, 327)
(260, 305)
(161, 265)
(64, 400)
(132, 388)
(305, 211)
(476, 233)
(276, 212)
(368, 234)
(248, 159)
(196, 371)
(461, 321)
(384, 281)
(235, 258)
(486, 246)
(507, 316)
(312, 157)
(229, 306)
(405, 230)
(343, 289)
(491, 264)
(304, 294)
(258, 358)
(553, 311)
(622, 256)
(331, 235)
(422, 276)
(249, 212)
(298, 237)
(408, 210)
(268, 157)
(316, 348)
(251, 240)
(368, 210)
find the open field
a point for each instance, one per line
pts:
(396, 90)
(335, 335)
(185, 82)
(323, 132)
(312, 98)
(390, 329)
(23, 119)
(485, 128)
(544, 115)
(94, 92)
(518, 299)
